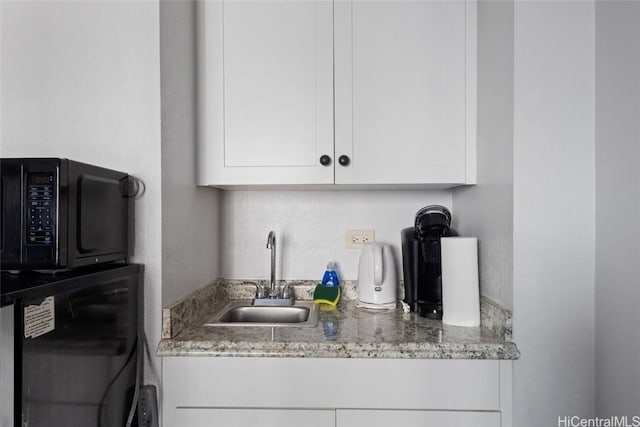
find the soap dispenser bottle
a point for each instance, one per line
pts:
(330, 278)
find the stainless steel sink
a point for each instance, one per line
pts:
(243, 313)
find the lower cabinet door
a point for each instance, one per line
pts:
(387, 418)
(240, 417)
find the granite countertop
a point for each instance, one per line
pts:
(346, 332)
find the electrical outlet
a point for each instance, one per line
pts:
(147, 406)
(355, 239)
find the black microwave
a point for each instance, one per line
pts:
(61, 214)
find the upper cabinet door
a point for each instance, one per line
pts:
(405, 91)
(265, 92)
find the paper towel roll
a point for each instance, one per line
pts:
(460, 290)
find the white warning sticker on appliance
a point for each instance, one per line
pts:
(39, 319)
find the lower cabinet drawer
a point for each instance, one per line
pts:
(282, 392)
(216, 417)
(246, 417)
(241, 382)
(386, 418)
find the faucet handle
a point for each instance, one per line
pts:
(260, 291)
(286, 290)
(286, 293)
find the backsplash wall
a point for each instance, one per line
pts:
(310, 228)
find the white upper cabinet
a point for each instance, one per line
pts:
(401, 91)
(362, 92)
(265, 92)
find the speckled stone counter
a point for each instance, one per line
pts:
(346, 332)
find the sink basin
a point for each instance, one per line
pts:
(243, 313)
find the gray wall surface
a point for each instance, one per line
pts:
(486, 210)
(190, 214)
(554, 211)
(617, 208)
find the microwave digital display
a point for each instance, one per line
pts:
(41, 179)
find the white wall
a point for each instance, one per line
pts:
(553, 242)
(486, 210)
(190, 214)
(310, 228)
(617, 208)
(81, 80)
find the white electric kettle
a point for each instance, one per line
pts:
(377, 278)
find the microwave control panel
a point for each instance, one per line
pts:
(40, 210)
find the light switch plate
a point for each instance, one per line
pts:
(356, 239)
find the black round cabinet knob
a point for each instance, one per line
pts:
(325, 160)
(344, 160)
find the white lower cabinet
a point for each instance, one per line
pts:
(244, 417)
(249, 391)
(386, 418)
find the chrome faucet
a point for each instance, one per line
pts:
(271, 244)
(273, 298)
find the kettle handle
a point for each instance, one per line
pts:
(378, 271)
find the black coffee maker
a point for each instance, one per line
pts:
(421, 260)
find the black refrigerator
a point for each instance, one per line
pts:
(75, 345)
